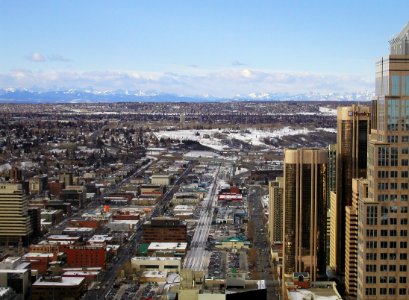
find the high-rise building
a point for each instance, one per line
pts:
(275, 215)
(331, 187)
(15, 225)
(359, 189)
(353, 124)
(383, 215)
(305, 207)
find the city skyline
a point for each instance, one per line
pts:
(195, 49)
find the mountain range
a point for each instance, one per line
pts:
(109, 96)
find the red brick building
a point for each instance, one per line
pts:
(164, 229)
(86, 256)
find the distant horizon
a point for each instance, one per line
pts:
(214, 49)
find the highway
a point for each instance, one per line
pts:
(196, 255)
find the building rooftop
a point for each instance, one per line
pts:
(59, 281)
(155, 258)
(167, 246)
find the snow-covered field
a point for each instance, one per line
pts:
(211, 138)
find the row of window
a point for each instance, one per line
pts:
(384, 244)
(384, 279)
(392, 174)
(393, 197)
(385, 291)
(384, 232)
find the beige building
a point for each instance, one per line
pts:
(383, 215)
(15, 225)
(305, 207)
(353, 124)
(152, 263)
(359, 189)
(161, 179)
(275, 214)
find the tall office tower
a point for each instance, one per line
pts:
(305, 207)
(275, 215)
(352, 139)
(331, 186)
(15, 222)
(383, 215)
(359, 189)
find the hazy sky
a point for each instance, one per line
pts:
(219, 47)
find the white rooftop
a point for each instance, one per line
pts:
(65, 281)
(167, 246)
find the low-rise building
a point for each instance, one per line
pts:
(164, 229)
(58, 287)
(167, 249)
(170, 264)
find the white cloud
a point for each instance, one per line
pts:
(221, 83)
(36, 57)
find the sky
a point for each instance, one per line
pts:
(220, 48)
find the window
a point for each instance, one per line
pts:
(402, 279)
(384, 268)
(392, 232)
(403, 256)
(393, 221)
(372, 256)
(403, 245)
(392, 244)
(384, 232)
(384, 244)
(383, 256)
(392, 291)
(383, 156)
(370, 291)
(404, 221)
(404, 209)
(393, 209)
(371, 215)
(370, 279)
(383, 291)
(371, 268)
(383, 186)
(392, 256)
(405, 150)
(371, 244)
(403, 197)
(404, 174)
(403, 268)
(405, 162)
(404, 185)
(395, 79)
(371, 233)
(394, 174)
(403, 232)
(392, 279)
(392, 268)
(402, 291)
(394, 186)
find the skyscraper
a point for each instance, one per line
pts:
(15, 222)
(305, 201)
(352, 137)
(383, 215)
(275, 215)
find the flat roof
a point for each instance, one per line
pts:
(155, 258)
(65, 281)
(167, 246)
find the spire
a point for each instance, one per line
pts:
(399, 44)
